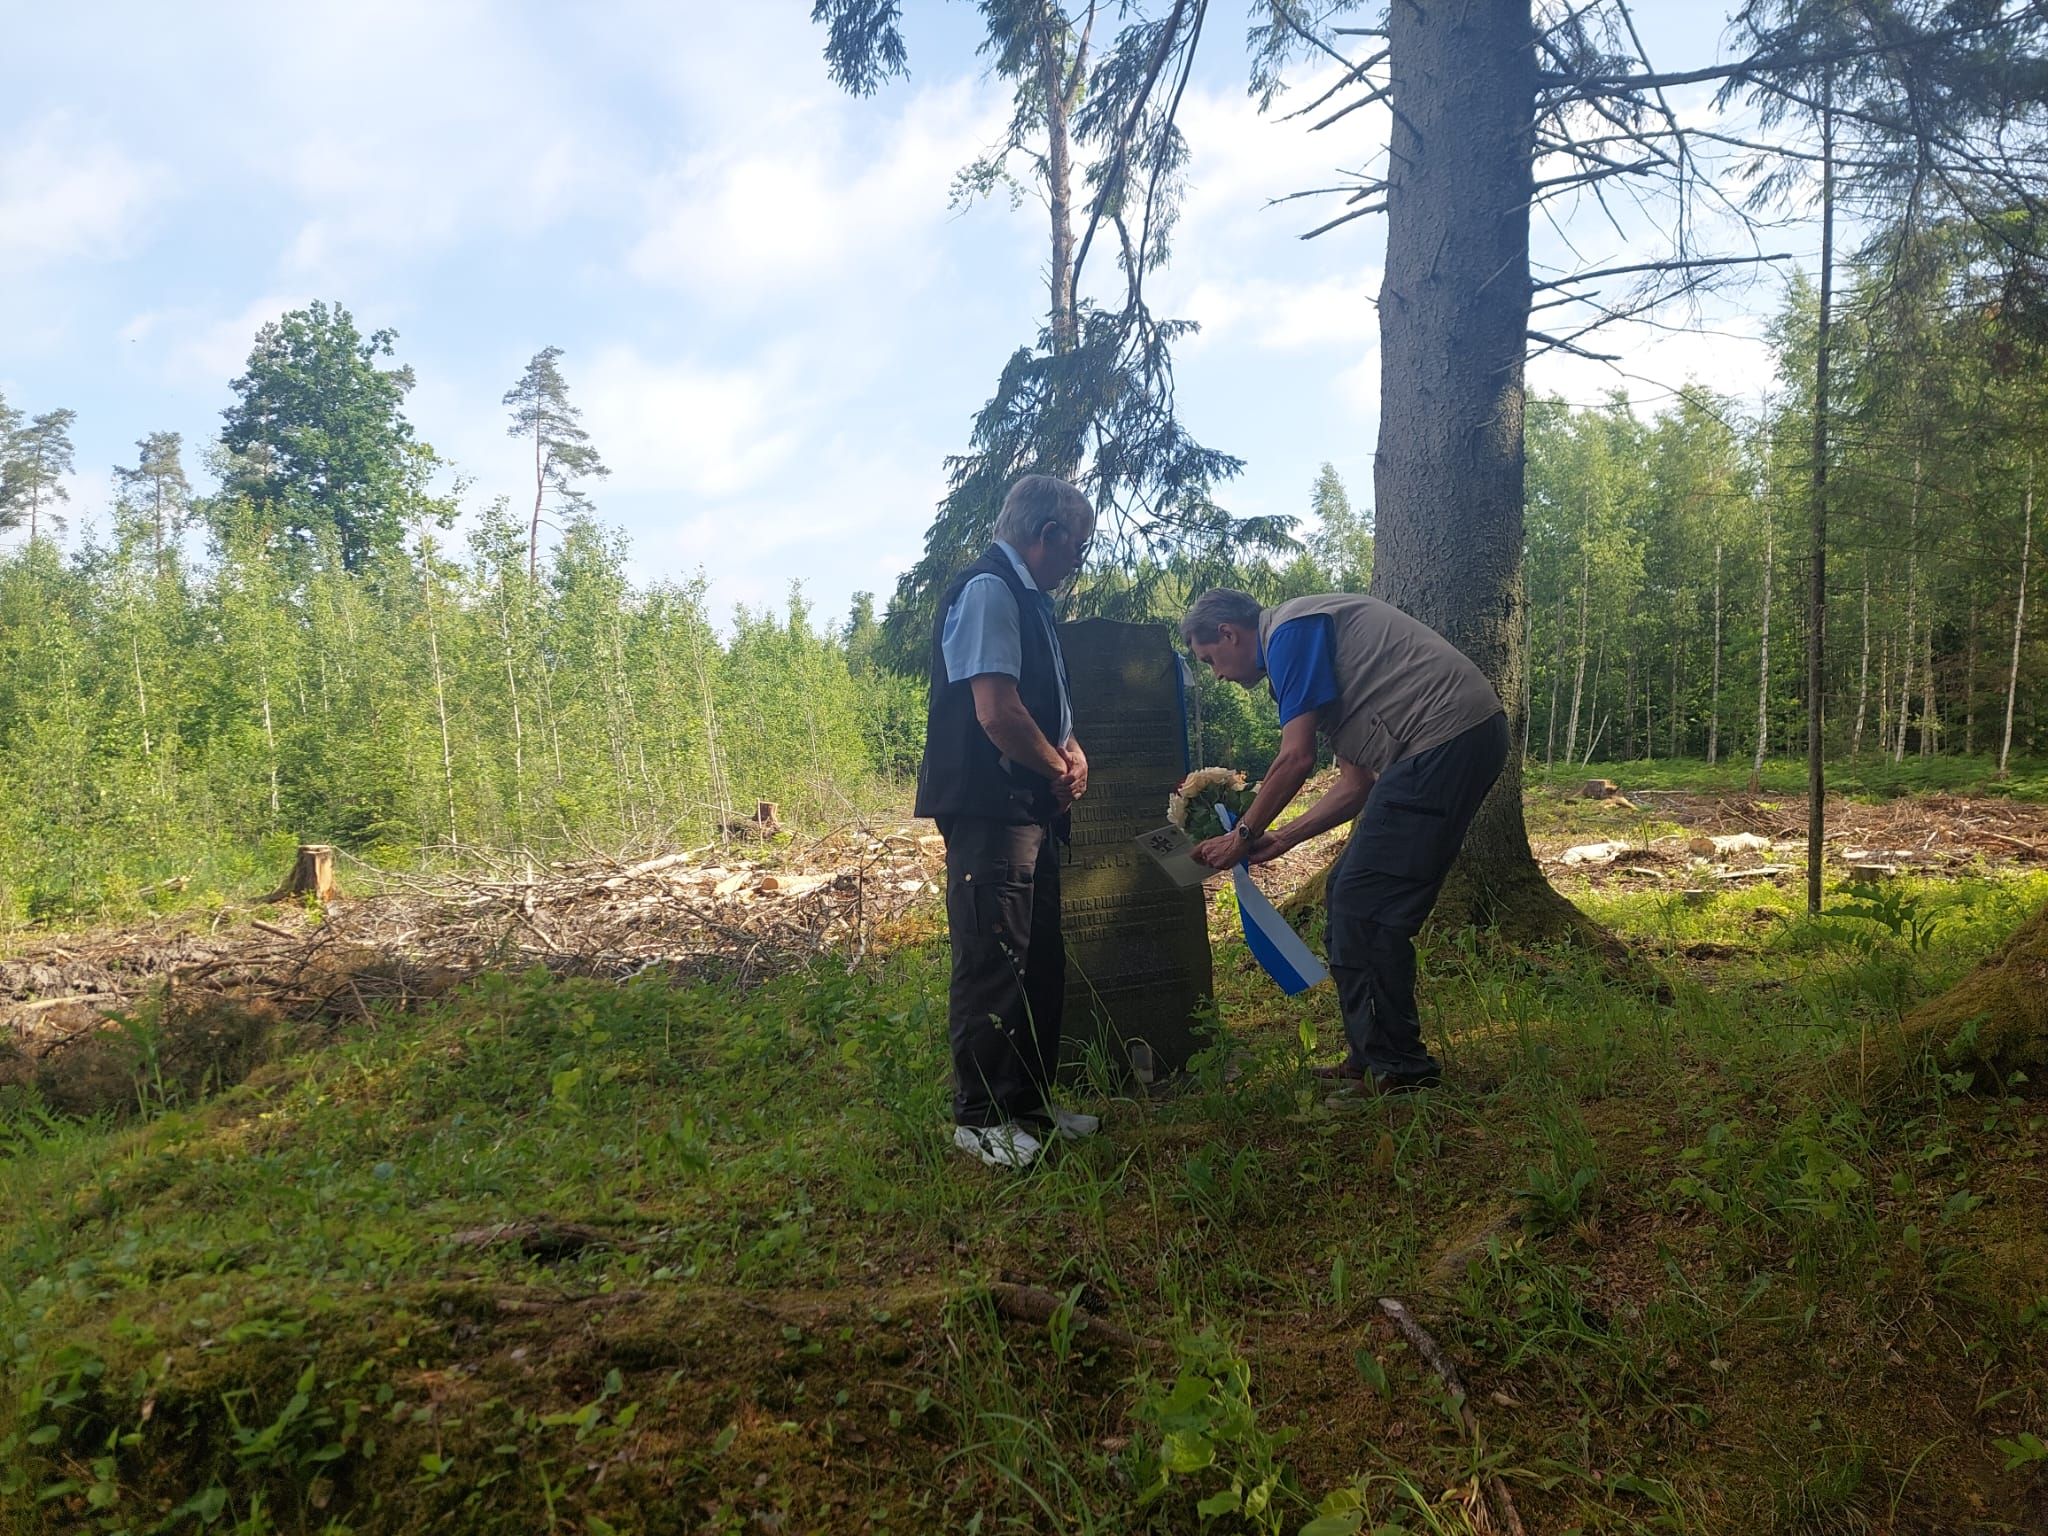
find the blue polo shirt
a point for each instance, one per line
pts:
(1299, 663)
(981, 634)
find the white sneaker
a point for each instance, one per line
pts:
(1072, 1125)
(999, 1146)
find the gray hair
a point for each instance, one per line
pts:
(1219, 605)
(1036, 500)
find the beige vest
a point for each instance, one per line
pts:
(1402, 688)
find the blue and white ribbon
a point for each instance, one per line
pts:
(1273, 943)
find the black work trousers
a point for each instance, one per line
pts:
(1384, 887)
(1009, 984)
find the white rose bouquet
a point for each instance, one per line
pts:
(1192, 807)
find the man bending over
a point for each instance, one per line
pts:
(1419, 737)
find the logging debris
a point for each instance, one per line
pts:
(392, 939)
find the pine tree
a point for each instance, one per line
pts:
(561, 448)
(35, 460)
(11, 515)
(154, 496)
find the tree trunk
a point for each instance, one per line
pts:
(1863, 672)
(518, 724)
(1628, 705)
(1528, 673)
(1930, 723)
(141, 693)
(1677, 668)
(1817, 547)
(1714, 714)
(1970, 675)
(1556, 684)
(2019, 621)
(1993, 1024)
(1912, 596)
(1571, 730)
(1448, 470)
(540, 490)
(440, 692)
(269, 738)
(1056, 88)
(1884, 697)
(1763, 663)
(1593, 700)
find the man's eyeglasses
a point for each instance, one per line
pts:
(1080, 549)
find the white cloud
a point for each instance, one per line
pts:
(67, 195)
(813, 204)
(210, 349)
(1727, 354)
(688, 427)
(1286, 317)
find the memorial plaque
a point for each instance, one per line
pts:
(1137, 943)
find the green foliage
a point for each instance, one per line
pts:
(562, 452)
(1342, 542)
(318, 441)
(33, 461)
(1202, 818)
(1204, 1437)
(159, 722)
(559, 1251)
(153, 499)
(1091, 398)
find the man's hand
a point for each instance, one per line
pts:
(1222, 852)
(1071, 785)
(1264, 849)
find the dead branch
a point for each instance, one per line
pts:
(1035, 1304)
(1496, 1490)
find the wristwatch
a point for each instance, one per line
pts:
(1244, 833)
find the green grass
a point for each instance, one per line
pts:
(1697, 1286)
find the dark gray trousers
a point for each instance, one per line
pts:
(1384, 887)
(1009, 983)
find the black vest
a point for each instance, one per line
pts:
(962, 773)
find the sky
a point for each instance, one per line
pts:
(776, 322)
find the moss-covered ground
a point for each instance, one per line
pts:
(561, 1256)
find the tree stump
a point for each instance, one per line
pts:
(1994, 1022)
(766, 812)
(312, 875)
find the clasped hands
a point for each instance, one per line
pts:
(1073, 784)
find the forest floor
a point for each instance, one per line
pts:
(609, 1252)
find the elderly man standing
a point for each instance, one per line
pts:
(1419, 736)
(1001, 767)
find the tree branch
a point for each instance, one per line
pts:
(1675, 264)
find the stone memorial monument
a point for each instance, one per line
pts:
(1137, 944)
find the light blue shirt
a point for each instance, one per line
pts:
(982, 635)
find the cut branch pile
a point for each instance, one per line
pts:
(409, 937)
(1742, 837)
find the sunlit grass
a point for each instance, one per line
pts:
(558, 1254)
